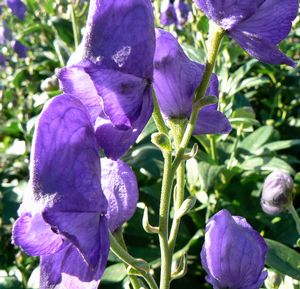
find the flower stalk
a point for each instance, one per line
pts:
(181, 132)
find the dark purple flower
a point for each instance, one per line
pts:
(233, 254)
(182, 11)
(257, 26)
(176, 78)
(168, 14)
(18, 8)
(120, 187)
(19, 48)
(115, 59)
(62, 218)
(277, 192)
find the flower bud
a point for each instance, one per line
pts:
(233, 254)
(277, 193)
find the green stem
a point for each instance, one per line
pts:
(165, 276)
(295, 215)
(74, 26)
(235, 145)
(157, 116)
(178, 127)
(212, 143)
(141, 266)
(215, 37)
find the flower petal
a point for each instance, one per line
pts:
(76, 82)
(35, 236)
(211, 121)
(228, 13)
(65, 167)
(67, 269)
(88, 232)
(119, 36)
(260, 48)
(120, 187)
(122, 95)
(116, 142)
(272, 21)
(175, 76)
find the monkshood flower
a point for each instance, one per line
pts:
(112, 70)
(182, 11)
(168, 14)
(17, 7)
(176, 78)
(120, 187)
(19, 48)
(62, 217)
(257, 26)
(233, 254)
(277, 193)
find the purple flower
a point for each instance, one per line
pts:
(176, 78)
(65, 215)
(277, 192)
(182, 11)
(18, 8)
(257, 26)
(19, 48)
(121, 190)
(62, 218)
(233, 254)
(115, 60)
(168, 14)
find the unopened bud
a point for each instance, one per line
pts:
(277, 193)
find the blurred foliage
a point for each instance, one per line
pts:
(262, 102)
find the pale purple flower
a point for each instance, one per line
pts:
(258, 26)
(182, 11)
(233, 254)
(19, 48)
(18, 8)
(277, 192)
(176, 78)
(112, 70)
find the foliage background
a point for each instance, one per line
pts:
(262, 102)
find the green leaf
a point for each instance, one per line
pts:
(207, 174)
(283, 259)
(266, 164)
(258, 138)
(278, 145)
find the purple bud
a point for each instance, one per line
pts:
(233, 254)
(276, 193)
(19, 48)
